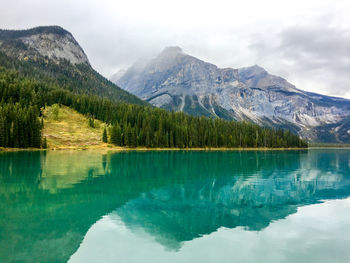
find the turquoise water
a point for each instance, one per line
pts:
(275, 206)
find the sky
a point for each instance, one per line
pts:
(307, 42)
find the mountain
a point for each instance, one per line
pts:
(177, 81)
(45, 66)
(52, 41)
(51, 54)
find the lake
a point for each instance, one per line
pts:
(175, 206)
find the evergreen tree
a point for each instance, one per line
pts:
(104, 135)
(116, 135)
(44, 143)
(91, 122)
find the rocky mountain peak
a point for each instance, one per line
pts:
(52, 42)
(177, 81)
(253, 70)
(170, 54)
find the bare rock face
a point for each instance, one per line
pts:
(177, 81)
(57, 47)
(52, 42)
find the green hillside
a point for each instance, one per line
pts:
(81, 78)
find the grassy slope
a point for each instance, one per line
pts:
(71, 130)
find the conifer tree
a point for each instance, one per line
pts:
(104, 135)
(44, 143)
(116, 135)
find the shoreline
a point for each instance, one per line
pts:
(114, 149)
(110, 148)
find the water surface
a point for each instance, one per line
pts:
(274, 206)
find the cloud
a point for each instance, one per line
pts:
(306, 42)
(316, 56)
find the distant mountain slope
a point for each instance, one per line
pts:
(177, 81)
(53, 55)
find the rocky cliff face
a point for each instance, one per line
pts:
(177, 81)
(52, 42)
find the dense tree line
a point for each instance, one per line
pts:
(134, 125)
(19, 126)
(80, 78)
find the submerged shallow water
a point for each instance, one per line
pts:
(274, 206)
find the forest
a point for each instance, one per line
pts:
(79, 78)
(22, 100)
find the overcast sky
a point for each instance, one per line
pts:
(306, 42)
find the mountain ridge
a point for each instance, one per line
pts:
(53, 42)
(51, 53)
(176, 81)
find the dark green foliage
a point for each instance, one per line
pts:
(44, 143)
(132, 125)
(19, 126)
(104, 135)
(80, 78)
(116, 135)
(91, 122)
(193, 107)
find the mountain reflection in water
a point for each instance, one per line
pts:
(50, 200)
